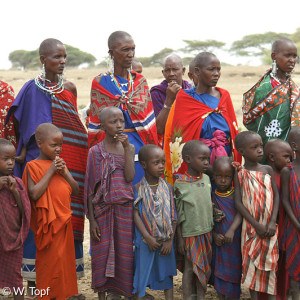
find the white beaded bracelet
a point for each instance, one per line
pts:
(167, 107)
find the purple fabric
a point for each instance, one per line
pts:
(228, 257)
(27, 106)
(158, 94)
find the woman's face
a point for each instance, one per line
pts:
(55, 60)
(123, 52)
(209, 73)
(286, 57)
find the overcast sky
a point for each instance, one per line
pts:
(154, 24)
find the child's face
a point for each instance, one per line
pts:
(253, 151)
(155, 165)
(282, 156)
(223, 176)
(51, 146)
(7, 160)
(114, 124)
(198, 161)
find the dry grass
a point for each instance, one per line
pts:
(235, 79)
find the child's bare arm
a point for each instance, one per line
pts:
(259, 228)
(36, 190)
(129, 151)
(12, 184)
(21, 158)
(94, 228)
(285, 183)
(233, 227)
(64, 171)
(180, 240)
(271, 226)
(150, 240)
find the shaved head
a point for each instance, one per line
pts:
(294, 135)
(280, 43)
(48, 45)
(173, 58)
(115, 37)
(107, 112)
(274, 145)
(222, 161)
(203, 59)
(43, 131)
(146, 151)
(5, 143)
(191, 147)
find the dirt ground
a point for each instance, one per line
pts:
(84, 284)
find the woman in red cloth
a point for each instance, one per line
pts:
(205, 113)
(127, 90)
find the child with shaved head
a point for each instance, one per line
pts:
(14, 221)
(291, 202)
(155, 220)
(109, 206)
(50, 185)
(195, 218)
(278, 154)
(257, 200)
(227, 232)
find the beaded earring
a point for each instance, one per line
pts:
(294, 155)
(43, 72)
(274, 67)
(110, 64)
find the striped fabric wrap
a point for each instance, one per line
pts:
(260, 255)
(157, 214)
(112, 256)
(139, 108)
(74, 151)
(199, 251)
(292, 235)
(228, 266)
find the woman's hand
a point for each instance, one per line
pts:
(218, 239)
(229, 236)
(181, 246)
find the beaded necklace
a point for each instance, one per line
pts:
(47, 86)
(226, 194)
(130, 86)
(194, 177)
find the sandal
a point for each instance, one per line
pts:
(77, 297)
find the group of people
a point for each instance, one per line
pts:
(159, 177)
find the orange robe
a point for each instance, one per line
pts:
(53, 234)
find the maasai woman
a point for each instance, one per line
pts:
(205, 113)
(50, 98)
(128, 91)
(271, 106)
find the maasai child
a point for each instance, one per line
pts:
(257, 200)
(192, 192)
(109, 205)
(155, 224)
(291, 202)
(278, 154)
(50, 185)
(227, 233)
(14, 221)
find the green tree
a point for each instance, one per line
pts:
(196, 46)
(30, 59)
(258, 45)
(296, 36)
